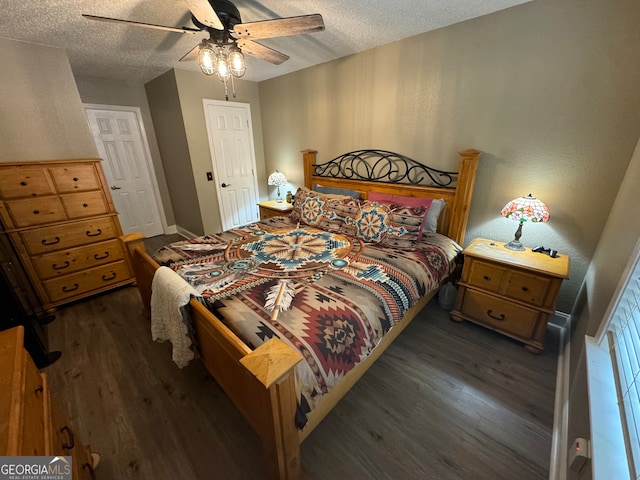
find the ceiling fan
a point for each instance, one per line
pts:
(229, 38)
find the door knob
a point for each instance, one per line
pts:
(113, 187)
(224, 185)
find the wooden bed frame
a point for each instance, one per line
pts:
(260, 382)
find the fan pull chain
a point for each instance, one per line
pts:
(233, 87)
(226, 91)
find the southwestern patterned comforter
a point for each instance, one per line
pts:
(330, 296)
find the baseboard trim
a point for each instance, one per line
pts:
(558, 458)
(185, 233)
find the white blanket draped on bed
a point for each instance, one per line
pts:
(169, 318)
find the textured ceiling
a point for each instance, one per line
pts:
(137, 55)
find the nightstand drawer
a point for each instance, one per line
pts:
(486, 276)
(530, 289)
(498, 314)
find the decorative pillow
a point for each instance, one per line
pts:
(404, 201)
(372, 222)
(336, 191)
(317, 210)
(431, 222)
(307, 206)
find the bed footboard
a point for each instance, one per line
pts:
(260, 383)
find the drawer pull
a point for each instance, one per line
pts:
(495, 317)
(98, 232)
(66, 289)
(85, 205)
(75, 179)
(23, 183)
(100, 257)
(525, 289)
(39, 389)
(53, 242)
(88, 466)
(71, 441)
(60, 267)
(36, 212)
(106, 279)
(486, 277)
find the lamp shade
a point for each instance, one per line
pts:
(526, 209)
(277, 179)
(521, 210)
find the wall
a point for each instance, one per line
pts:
(41, 114)
(176, 102)
(105, 92)
(547, 89)
(617, 243)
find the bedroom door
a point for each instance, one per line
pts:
(122, 144)
(234, 161)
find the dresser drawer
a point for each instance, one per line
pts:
(16, 182)
(85, 204)
(64, 262)
(527, 288)
(487, 276)
(60, 237)
(36, 211)
(75, 178)
(80, 283)
(33, 420)
(498, 314)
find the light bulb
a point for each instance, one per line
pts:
(206, 58)
(222, 69)
(236, 62)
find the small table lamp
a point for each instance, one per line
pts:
(524, 209)
(277, 179)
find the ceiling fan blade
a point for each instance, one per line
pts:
(191, 55)
(280, 27)
(142, 24)
(204, 13)
(260, 51)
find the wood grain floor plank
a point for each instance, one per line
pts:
(446, 401)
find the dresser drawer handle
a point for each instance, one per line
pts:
(23, 183)
(106, 279)
(71, 441)
(39, 389)
(53, 242)
(525, 289)
(85, 205)
(100, 257)
(98, 232)
(66, 289)
(60, 267)
(486, 277)
(75, 179)
(36, 212)
(495, 317)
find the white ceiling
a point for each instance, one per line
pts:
(137, 55)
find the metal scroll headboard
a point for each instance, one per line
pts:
(383, 166)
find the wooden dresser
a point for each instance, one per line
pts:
(63, 224)
(509, 291)
(31, 423)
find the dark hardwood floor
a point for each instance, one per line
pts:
(446, 401)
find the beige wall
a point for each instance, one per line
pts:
(617, 243)
(41, 115)
(176, 101)
(105, 92)
(547, 89)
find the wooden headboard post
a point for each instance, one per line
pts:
(464, 192)
(309, 159)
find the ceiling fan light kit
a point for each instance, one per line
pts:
(229, 39)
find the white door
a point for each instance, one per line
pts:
(233, 158)
(122, 144)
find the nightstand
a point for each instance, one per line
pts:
(273, 208)
(508, 291)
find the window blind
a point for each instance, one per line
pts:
(624, 347)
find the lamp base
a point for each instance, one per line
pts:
(514, 245)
